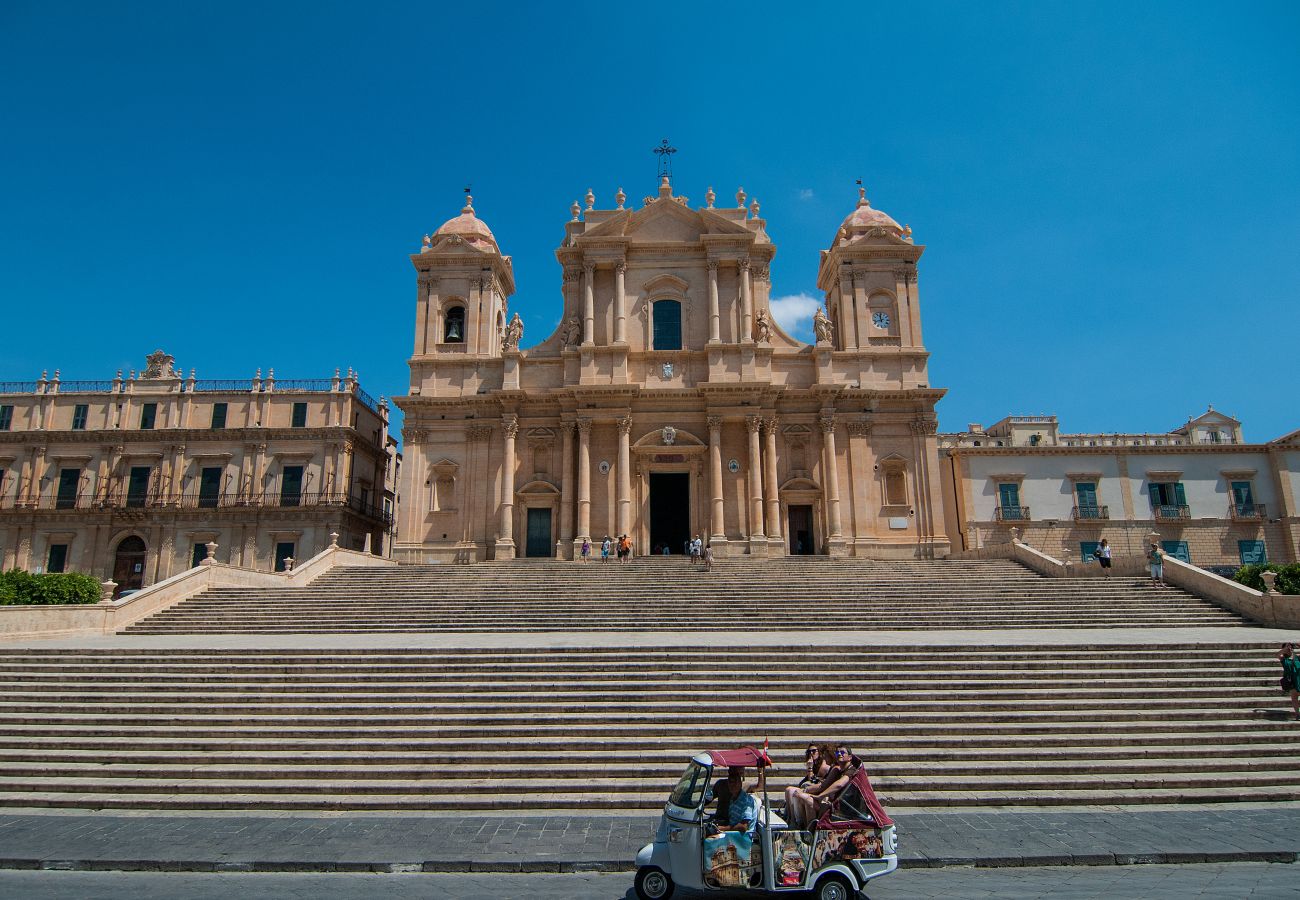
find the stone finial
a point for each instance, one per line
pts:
(709, 197)
(590, 199)
(56, 376)
(334, 540)
(211, 558)
(106, 591)
(1270, 579)
(620, 198)
(576, 210)
(288, 564)
(193, 373)
(427, 242)
(907, 232)
(469, 205)
(753, 209)
(1015, 534)
(862, 196)
(665, 187)
(740, 198)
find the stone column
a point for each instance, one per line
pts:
(715, 328)
(848, 328)
(754, 423)
(769, 471)
(717, 527)
(566, 483)
(584, 479)
(746, 303)
(588, 304)
(625, 475)
(620, 304)
(506, 537)
(832, 478)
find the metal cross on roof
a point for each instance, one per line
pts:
(665, 154)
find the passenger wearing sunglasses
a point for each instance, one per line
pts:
(801, 802)
(846, 765)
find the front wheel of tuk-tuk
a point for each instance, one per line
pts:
(834, 887)
(653, 883)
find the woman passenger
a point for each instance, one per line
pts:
(801, 801)
(846, 766)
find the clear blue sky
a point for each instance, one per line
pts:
(1110, 192)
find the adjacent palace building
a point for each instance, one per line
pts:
(131, 479)
(667, 404)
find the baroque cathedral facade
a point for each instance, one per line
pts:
(669, 403)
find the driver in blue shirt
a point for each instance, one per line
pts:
(737, 807)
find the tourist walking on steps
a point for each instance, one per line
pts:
(1156, 559)
(586, 549)
(605, 547)
(708, 557)
(1290, 661)
(1103, 556)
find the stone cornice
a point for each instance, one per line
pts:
(1129, 450)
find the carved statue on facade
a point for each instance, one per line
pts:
(762, 328)
(572, 332)
(160, 365)
(822, 327)
(514, 333)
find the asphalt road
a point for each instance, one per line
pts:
(1230, 881)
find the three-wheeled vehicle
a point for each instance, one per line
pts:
(852, 841)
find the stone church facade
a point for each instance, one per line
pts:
(669, 403)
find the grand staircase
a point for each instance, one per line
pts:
(588, 729)
(668, 594)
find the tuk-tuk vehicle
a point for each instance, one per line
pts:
(851, 842)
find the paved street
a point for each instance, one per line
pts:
(1098, 836)
(1231, 881)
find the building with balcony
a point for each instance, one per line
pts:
(1213, 499)
(130, 479)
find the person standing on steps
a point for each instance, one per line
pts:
(586, 549)
(1290, 661)
(708, 557)
(605, 547)
(1156, 560)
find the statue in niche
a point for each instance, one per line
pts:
(762, 328)
(572, 332)
(822, 327)
(514, 333)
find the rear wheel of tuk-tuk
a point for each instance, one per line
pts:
(653, 883)
(834, 887)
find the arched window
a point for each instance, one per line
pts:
(453, 326)
(668, 325)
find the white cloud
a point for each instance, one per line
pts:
(794, 313)
(805, 194)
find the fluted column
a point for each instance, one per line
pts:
(584, 479)
(715, 327)
(769, 471)
(746, 303)
(832, 476)
(620, 304)
(625, 475)
(566, 483)
(754, 423)
(509, 428)
(588, 304)
(716, 526)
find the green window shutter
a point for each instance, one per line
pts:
(1252, 553)
(1180, 496)
(1087, 492)
(1177, 549)
(1086, 549)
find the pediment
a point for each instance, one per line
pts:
(665, 221)
(660, 437)
(666, 283)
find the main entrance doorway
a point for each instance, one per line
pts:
(670, 511)
(128, 565)
(801, 531)
(539, 532)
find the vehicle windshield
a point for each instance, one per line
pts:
(689, 792)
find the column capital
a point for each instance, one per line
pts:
(589, 268)
(621, 266)
(924, 425)
(771, 423)
(858, 428)
(753, 423)
(510, 425)
(827, 422)
(478, 432)
(715, 422)
(744, 265)
(713, 268)
(584, 426)
(571, 274)
(625, 425)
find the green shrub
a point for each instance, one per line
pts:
(1288, 577)
(60, 588)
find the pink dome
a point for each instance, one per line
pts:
(865, 216)
(469, 226)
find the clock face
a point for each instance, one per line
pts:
(881, 319)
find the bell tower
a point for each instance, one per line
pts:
(463, 288)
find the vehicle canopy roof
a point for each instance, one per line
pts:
(855, 806)
(742, 756)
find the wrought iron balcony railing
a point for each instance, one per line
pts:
(1091, 513)
(1247, 512)
(1011, 514)
(1171, 512)
(278, 499)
